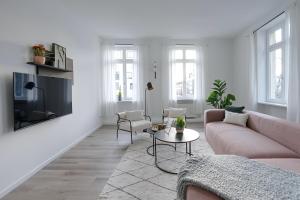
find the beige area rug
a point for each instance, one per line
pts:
(137, 177)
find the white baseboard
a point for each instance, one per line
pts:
(27, 176)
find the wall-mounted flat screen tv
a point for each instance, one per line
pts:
(40, 98)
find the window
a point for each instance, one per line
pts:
(124, 59)
(275, 60)
(272, 61)
(183, 72)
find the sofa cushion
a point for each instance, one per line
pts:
(231, 139)
(239, 119)
(292, 164)
(235, 109)
(282, 131)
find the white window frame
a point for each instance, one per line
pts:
(124, 61)
(270, 48)
(184, 61)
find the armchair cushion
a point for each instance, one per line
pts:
(136, 125)
(123, 115)
(135, 115)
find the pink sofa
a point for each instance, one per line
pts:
(266, 139)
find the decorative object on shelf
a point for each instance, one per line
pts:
(149, 87)
(120, 95)
(216, 97)
(39, 54)
(180, 124)
(49, 55)
(53, 62)
(60, 56)
(155, 68)
(69, 64)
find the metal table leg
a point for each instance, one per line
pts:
(186, 148)
(190, 150)
(152, 146)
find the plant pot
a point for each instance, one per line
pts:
(39, 60)
(179, 130)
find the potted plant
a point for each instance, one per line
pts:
(119, 95)
(39, 54)
(180, 124)
(217, 97)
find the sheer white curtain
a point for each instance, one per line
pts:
(172, 72)
(293, 106)
(110, 103)
(252, 100)
(109, 98)
(169, 83)
(138, 79)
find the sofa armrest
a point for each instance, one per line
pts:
(196, 193)
(213, 115)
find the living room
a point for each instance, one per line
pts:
(121, 99)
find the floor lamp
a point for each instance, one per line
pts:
(149, 87)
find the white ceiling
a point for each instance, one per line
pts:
(170, 18)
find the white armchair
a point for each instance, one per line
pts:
(132, 121)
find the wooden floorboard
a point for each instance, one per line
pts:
(79, 174)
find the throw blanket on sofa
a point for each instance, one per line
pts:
(234, 177)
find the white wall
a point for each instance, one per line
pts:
(24, 23)
(218, 64)
(241, 70)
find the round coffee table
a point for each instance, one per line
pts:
(152, 133)
(169, 135)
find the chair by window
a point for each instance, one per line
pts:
(132, 121)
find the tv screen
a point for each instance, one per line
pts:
(40, 98)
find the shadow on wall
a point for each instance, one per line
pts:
(6, 106)
(12, 58)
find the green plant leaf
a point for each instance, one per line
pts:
(216, 98)
(231, 97)
(180, 122)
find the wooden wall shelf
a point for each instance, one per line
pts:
(48, 67)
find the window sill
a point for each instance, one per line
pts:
(125, 101)
(273, 104)
(185, 101)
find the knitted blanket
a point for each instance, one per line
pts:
(235, 177)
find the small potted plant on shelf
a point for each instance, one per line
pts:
(39, 54)
(180, 124)
(119, 95)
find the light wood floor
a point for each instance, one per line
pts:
(79, 174)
